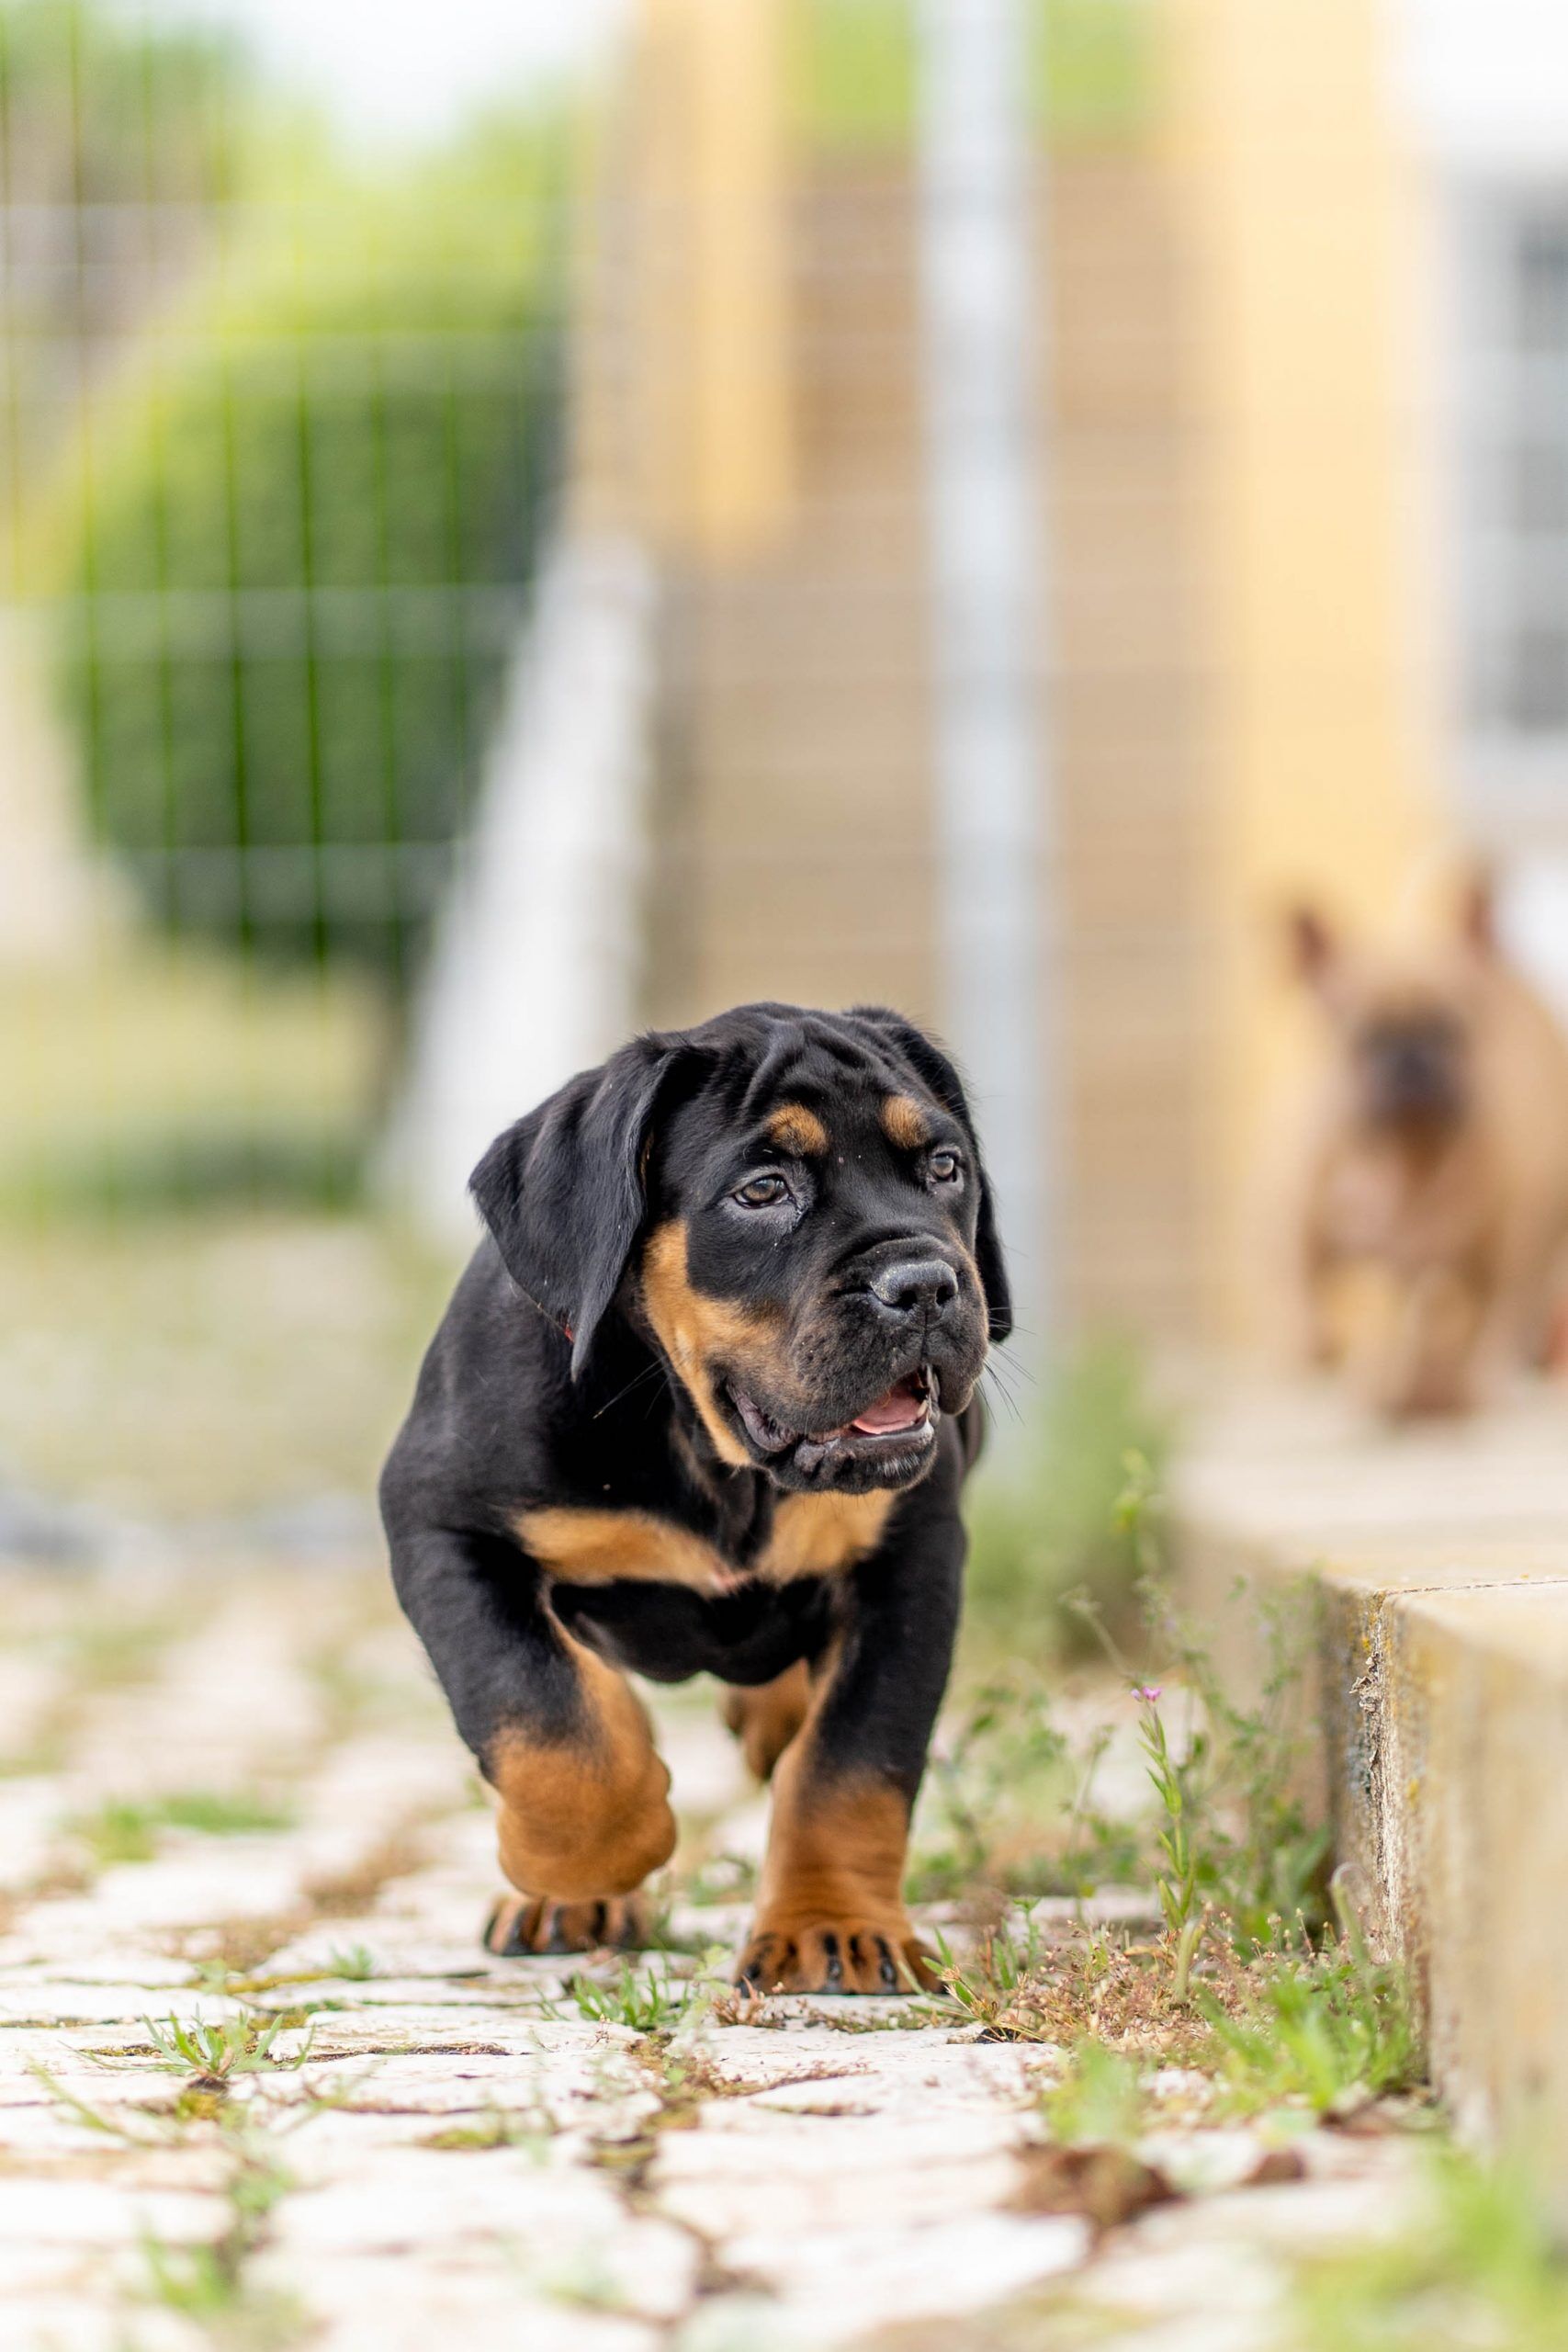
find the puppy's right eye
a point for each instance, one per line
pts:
(763, 1193)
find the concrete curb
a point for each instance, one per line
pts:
(1434, 1658)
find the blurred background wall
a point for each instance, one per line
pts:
(469, 583)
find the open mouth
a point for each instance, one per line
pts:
(905, 1411)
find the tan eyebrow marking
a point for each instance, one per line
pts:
(903, 1123)
(795, 1128)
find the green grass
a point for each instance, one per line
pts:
(1324, 2028)
(1100, 2101)
(209, 2284)
(647, 2003)
(355, 1965)
(1478, 2271)
(214, 2055)
(497, 2127)
(156, 1078)
(211, 1365)
(1008, 1806)
(1053, 1530)
(122, 1832)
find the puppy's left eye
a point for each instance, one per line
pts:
(945, 1167)
(763, 1193)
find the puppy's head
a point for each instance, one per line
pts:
(1406, 1023)
(791, 1206)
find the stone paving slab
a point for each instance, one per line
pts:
(1434, 1654)
(437, 2147)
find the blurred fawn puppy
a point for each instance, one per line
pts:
(1433, 1158)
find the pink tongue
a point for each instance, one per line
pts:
(899, 1409)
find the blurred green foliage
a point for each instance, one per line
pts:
(1053, 1527)
(1476, 2264)
(1093, 71)
(296, 542)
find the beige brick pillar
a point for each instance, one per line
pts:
(1288, 168)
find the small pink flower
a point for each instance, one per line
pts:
(1147, 1692)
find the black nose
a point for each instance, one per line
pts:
(912, 1285)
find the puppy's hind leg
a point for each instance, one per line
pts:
(766, 1718)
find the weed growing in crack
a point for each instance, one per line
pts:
(150, 2130)
(1176, 1885)
(1099, 2100)
(1322, 2024)
(355, 1965)
(985, 1987)
(209, 2283)
(1010, 1810)
(1313, 2024)
(1235, 1797)
(646, 2003)
(213, 2056)
(530, 2128)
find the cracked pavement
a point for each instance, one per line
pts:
(236, 1802)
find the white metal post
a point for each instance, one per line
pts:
(981, 281)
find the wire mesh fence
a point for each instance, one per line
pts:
(281, 432)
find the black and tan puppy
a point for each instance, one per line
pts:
(703, 1403)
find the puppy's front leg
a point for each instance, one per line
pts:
(831, 1915)
(561, 1737)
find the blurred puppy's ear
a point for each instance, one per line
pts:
(1478, 911)
(1310, 943)
(937, 1074)
(562, 1191)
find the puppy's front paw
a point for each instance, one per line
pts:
(846, 1955)
(533, 1923)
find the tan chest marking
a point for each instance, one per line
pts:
(610, 1546)
(813, 1535)
(817, 1535)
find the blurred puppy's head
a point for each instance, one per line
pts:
(1405, 1021)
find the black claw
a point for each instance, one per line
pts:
(833, 1976)
(557, 1939)
(752, 1966)
(888, 1970)
(507, 1946)
(600, 1922)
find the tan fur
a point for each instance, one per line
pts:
(812, 1535)
(903, 1123)
(815, 1535)
(834, 1868)
(795, 1129)
(765, 1718)
(692, 1328)
(605, 1546)
(588, 1817)
(1430, 1263)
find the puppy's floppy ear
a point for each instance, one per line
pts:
(562, 1190)
(1478, 911)
(1310, 942)
(937, 1074)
